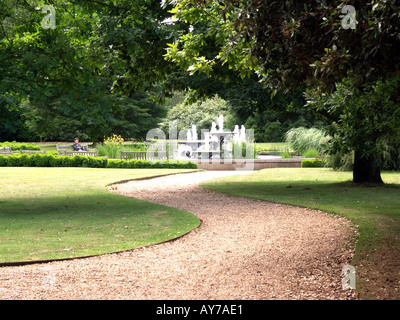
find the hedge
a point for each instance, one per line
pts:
(45, 160)
(16, 146)
(312, 163)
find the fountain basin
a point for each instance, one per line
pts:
(248, 164)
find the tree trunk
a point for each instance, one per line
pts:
(365, 169)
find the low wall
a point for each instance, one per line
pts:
(250, 164)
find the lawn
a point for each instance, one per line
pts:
(272, 146)
(374, 209)
(55, 213)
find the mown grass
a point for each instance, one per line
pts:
(272, 146)
(55, 213)
(375, 209)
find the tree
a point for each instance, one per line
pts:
(13, 126)
(367, 123)
(200, 113)
(87, 71)
(302, 43)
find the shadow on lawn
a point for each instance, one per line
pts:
(74, 226)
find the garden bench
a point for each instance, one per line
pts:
(68, 150)
(32, 151)
(143, 155)
(7, 150)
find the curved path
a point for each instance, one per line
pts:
(244, 249)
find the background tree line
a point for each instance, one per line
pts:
(112, 64)
(103, 71)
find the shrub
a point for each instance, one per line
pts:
(112, 163)
(240, 150)
(302, 139)
(55, 161)
(94, 162)
(310, 153)
(44, 160)
(25, 160)
(77, 160)
(312, 163)
(285, 155)
(115, 163)
(340, 161)
(111, 147)
(13, 160)
(3, 160)
(67, 161)
(36, 159)
(15, 146)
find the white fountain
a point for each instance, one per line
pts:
(217, 142)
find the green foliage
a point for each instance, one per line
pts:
(132, 116)
(272, 125)
(201, 114)
(3, 160)
(340, 161)
(369, 120)
(277, 146)
(89, 76)
(285, 155)
(13, 127)
(136, 164)
(16, 146)
(112, 149)
(244, 150)
(44, 160)
(93, 162)
(309, 44)
(206, 74)
(302, 43)
(310, 153)
(312, 163)
(302, 139)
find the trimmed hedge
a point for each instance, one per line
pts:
(45, 160)
(16, 146)
(312, 163)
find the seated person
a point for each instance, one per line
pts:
(77, 146)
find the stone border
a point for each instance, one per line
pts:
(249, 164)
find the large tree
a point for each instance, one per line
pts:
(87, 73)
(292, 43)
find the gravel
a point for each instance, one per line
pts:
(244, 249)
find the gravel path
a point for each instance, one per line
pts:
(244, 249)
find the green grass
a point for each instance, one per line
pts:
(272, 146)
(112, 150)
(48, 148)
(375, 209)
(55, 213)
(324, 189)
